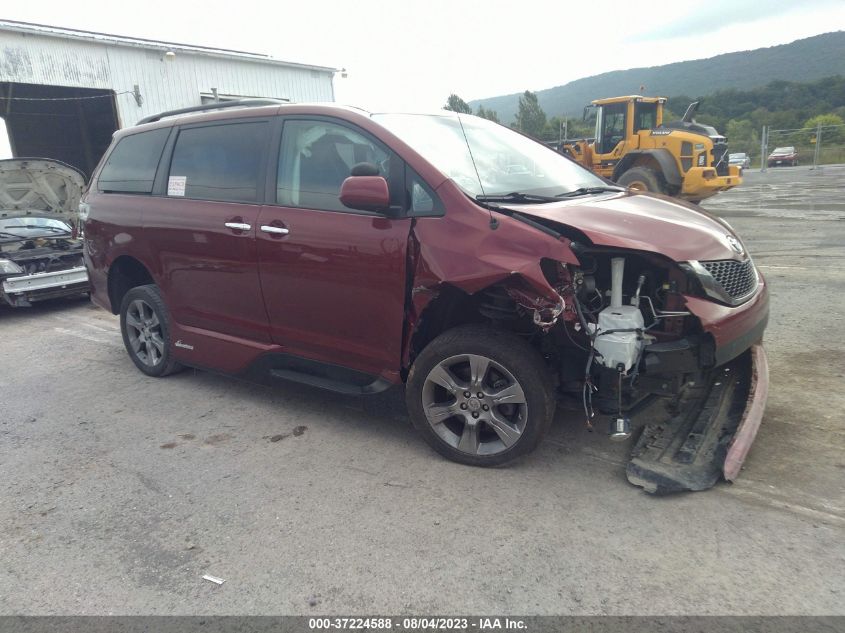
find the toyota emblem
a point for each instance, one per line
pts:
(734, 244)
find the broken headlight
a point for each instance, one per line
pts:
(8, 267)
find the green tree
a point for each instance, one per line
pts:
(456, 104)
(490, 115)
(530, 118)
(575, 127)
(743, 136)
(829, 134)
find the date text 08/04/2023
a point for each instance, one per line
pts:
(418, 623)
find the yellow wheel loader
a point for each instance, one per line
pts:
(635, 149)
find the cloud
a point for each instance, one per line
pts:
(714, 15)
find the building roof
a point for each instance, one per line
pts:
(138, 42)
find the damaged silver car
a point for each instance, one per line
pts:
(40, 249)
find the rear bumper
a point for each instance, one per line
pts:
(20, 291)
(752, 416)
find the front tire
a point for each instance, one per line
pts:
(480, 396)
(145, 326)
(642, 179)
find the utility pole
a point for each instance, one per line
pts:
(764, 141)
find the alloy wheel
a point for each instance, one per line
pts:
(475, 404)
(144, 331)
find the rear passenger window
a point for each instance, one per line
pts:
(218, 162)
(131, 167)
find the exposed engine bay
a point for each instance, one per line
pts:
(40, 252)
(628, 348)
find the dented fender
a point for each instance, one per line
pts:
(476, 256)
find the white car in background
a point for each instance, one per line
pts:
(740, 158)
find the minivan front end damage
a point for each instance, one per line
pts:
(685, 372)
(653, 345)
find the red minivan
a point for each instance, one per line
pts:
(356, 251)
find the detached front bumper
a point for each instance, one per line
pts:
(25, 289)
(752, 416)
(711, 433)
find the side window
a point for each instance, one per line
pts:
(645, 116)
(422, 201)
(316, 157)
(218, 162)
(131, 166)
(613, 126)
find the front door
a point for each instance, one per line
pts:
(333, 278)
(611, 132)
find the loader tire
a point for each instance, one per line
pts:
(642, 179)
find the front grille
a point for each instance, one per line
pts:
(736, 278)
(720, 160)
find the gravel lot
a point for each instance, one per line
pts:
(120, 491)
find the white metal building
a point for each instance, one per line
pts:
(64, 92)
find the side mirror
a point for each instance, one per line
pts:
(368, 193)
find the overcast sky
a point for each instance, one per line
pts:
(410, 54)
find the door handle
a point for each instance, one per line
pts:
(238, 226)
(275, 230)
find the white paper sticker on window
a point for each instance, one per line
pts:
(176, 186)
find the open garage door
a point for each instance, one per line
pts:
(73, 125)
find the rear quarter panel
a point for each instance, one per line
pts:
(113, 229)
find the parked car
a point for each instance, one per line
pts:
(40, 253)
(356, 252)
(783, 156)
(740, 158)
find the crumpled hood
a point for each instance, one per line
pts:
(40, 186)
(643, 222)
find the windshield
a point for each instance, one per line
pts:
(505, 160)
(30, 227)
(783, 150)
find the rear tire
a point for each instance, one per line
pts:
(642, 179)
(145, 326)
(510, 404)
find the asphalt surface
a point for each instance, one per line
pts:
(120, 491)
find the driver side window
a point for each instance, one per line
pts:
(316, 157)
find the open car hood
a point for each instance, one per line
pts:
(643, 222)
(40, 186)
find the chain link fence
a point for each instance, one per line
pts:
(820, 145)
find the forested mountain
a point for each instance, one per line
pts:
(804, 60)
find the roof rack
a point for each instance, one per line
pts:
(214, 105)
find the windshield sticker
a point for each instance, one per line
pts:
(176, 186)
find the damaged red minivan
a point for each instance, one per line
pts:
(356, 251)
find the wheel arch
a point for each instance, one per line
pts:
(664, 159)
(500, 305)
(125, 273)
(450, 308)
